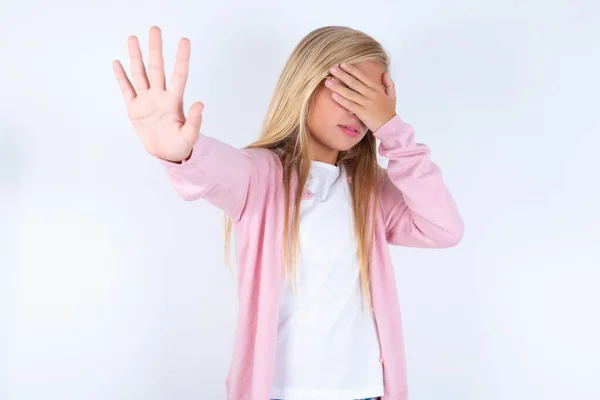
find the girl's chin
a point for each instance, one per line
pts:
(346, 146)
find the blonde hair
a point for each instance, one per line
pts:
(285, 131)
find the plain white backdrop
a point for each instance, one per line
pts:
(112, 287)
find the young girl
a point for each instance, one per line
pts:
(312, 213)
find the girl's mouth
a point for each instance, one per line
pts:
(349, 131)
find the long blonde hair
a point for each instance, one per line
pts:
(285, 131)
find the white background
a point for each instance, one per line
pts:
(112, 287)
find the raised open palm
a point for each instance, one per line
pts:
(155, 111)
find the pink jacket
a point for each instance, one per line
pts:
(416, 209)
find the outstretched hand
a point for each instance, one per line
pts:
(155, 111)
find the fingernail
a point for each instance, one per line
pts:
(334, 69)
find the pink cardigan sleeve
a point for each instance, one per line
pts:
(216, 172)
(417, 207)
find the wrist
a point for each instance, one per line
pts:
(189, 156)
(382, 122)
(180, 161)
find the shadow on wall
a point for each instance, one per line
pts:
(12, 166)
(11, 176)
(11, 159)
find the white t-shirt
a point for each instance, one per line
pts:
(327, 343)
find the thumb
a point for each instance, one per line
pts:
(390, 87)
(191, 128)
